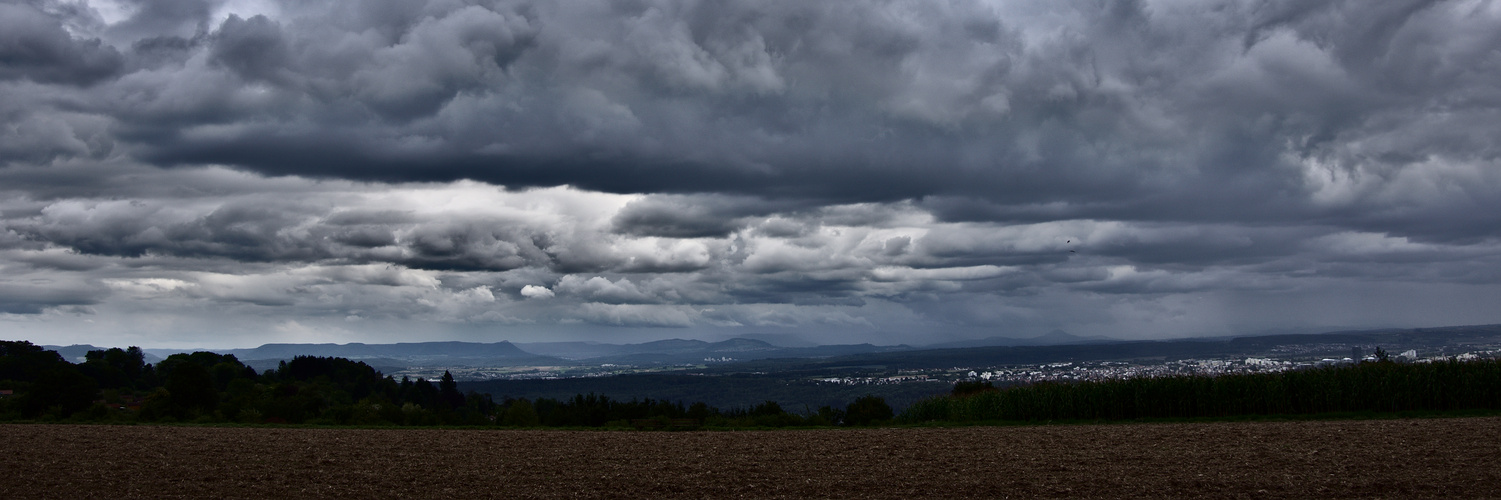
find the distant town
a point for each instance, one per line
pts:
(1111, 370)
(1296, 358)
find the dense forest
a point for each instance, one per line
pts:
(1383, 386)
(117, 385)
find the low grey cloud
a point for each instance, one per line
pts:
(894, 170)
(35, 47)
(36, 297)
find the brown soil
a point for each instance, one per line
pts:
(1376, 458)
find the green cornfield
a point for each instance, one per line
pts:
(1365, 387)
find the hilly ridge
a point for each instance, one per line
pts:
(741, 354)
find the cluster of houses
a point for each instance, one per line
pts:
(897, 379)
(1110, 370)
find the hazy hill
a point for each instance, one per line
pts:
(678, 351)
(75, 353)
(399, 350)
(750, 355)
(1427, 341)
(586, 350)
(400, 354)
(670, 351)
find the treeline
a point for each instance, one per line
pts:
(1372, 387)
(600, 411)
(117, 385)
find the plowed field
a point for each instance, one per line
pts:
(1377, 458)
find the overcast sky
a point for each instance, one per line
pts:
(187, 173)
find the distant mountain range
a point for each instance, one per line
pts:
(409, 350)
(671, 351)
(675, 351)
(1056, 345)
(75, 353)
(1426, 341)
(384, 356)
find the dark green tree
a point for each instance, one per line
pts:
(700, 411)
(767, 409)
(222, 368)
(61, 388)
(423, 394)
(867, 410)
(520, 413)
(23, 361)
(965, 388)
(192, 390)
(828, 415)
(448, 392)
(43, 381)
(114, 367)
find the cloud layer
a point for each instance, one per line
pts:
(893, 171)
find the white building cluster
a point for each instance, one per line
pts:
(1112, 370)
(898, 379)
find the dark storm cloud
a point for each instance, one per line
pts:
(695, 216)
(1165, 166)
(56, 260)
(253, 49)
(472, 247)
(163, 18)
(35, 298)
(275, 232)
(133, 229)
(1137, 111)
(35, 47)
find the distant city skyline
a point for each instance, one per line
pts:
(225, 174)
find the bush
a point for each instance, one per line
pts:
(972, 387)
(867, 410)
(520, 413)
